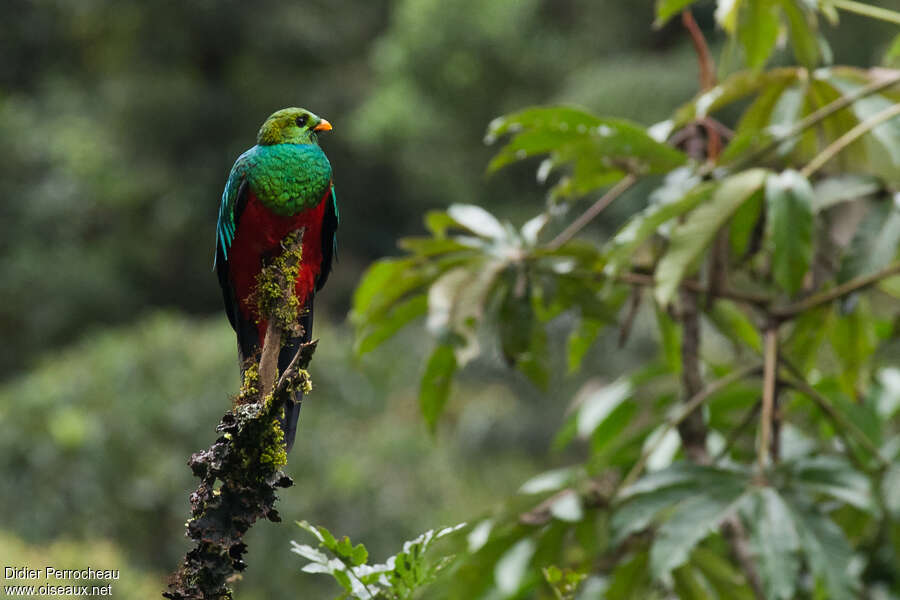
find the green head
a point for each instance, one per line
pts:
(291, 126)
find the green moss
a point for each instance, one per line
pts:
(274, 293)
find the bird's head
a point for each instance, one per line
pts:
(291, 126)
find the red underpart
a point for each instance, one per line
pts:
(259, 234)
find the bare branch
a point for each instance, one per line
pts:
(596, 208)
(792, 310)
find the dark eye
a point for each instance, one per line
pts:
(301, 120)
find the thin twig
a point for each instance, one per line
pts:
(848, 138)
(819, 115)
(768, 396)
(848, 287)
(736, 432)
(688, 407)
(753, 299)
(704, 58)
(867, 10)
(596, 208)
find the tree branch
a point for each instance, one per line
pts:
(848, 138)
(791, 310)
(768, 396)
(240, 473)
(596, 208)
(688, 407)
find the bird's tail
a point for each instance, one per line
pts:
(292, 404)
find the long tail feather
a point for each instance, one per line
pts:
(292, 405)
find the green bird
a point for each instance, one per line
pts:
(282, 184)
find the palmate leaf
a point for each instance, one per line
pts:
(690, 238)
(600, 150)
(776, 543)
(689, 500)
(826, 549)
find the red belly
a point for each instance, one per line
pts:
(259, 234)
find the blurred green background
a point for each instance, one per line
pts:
(119, 122)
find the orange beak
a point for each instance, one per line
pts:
(322, 126)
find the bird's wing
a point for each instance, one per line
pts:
(330, 222)
(233, 199)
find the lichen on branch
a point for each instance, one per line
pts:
(240, 473)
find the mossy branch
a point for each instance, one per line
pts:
(240, 473)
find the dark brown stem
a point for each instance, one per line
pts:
(734, 532)
(692, 429)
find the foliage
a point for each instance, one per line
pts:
(770, 244)
(397, 578)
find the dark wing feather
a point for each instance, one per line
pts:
(330, 222)
(246, 330)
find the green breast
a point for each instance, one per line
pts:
(288, 178)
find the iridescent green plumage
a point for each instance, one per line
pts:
(286, 170)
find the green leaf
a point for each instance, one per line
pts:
(832, 476)
(666, 9)
(828, 552)
(618, 251)
(725, 579)
(593, 145)
(892, 56)
(734, 323)
(359, 555)
(516, 318)
(688, 586)
(435, 386)
(690, 239)
(383, 328)
(843, 188)
(789, 199)
(803, 35)
(758, 31)
(580, 340)
(670, 337)
(853, 340)
(743, 226)
(638, 513)
(599, 402)
(630, 580)
(874, 246)
(777, 542)
(690, 522)
(734, 88)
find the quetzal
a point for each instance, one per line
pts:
(282, 184)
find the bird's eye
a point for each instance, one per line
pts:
(301, 120)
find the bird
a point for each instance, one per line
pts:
(282, 184)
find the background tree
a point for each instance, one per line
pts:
(120, 121)
(755, 458)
